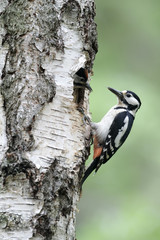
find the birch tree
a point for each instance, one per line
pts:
(43, 143)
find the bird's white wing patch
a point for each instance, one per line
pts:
(121, 132)
(102, 127)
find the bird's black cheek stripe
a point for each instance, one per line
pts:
(131, 107)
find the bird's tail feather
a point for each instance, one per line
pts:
(90, 169)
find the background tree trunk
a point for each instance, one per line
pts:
(43, 144)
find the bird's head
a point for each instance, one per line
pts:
(127, 99)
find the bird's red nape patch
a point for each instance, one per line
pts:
(86, 73)
(97, 148)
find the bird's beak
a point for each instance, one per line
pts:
(117, 93)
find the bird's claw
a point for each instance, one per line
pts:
(85, 118)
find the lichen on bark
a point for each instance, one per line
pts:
(27, 25)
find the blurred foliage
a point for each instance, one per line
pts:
(122, 200)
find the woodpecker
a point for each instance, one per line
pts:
(110, 133)
(81, 79)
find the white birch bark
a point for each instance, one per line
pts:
(43, 143)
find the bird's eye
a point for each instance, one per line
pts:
(128, 95)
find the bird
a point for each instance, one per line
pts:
(111, 132)
(81, 79)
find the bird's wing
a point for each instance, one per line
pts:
(117, 134)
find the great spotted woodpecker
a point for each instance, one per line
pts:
(110, 133)
(81, 79)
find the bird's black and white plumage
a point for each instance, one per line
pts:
(111, 132)
(81, 79)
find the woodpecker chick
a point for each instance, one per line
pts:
(110, 133)
(81, 79)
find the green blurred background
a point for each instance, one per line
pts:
(122, 201)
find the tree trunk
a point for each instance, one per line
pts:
(44, 143)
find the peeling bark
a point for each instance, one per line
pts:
(43, 144)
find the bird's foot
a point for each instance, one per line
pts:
(85, 118)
